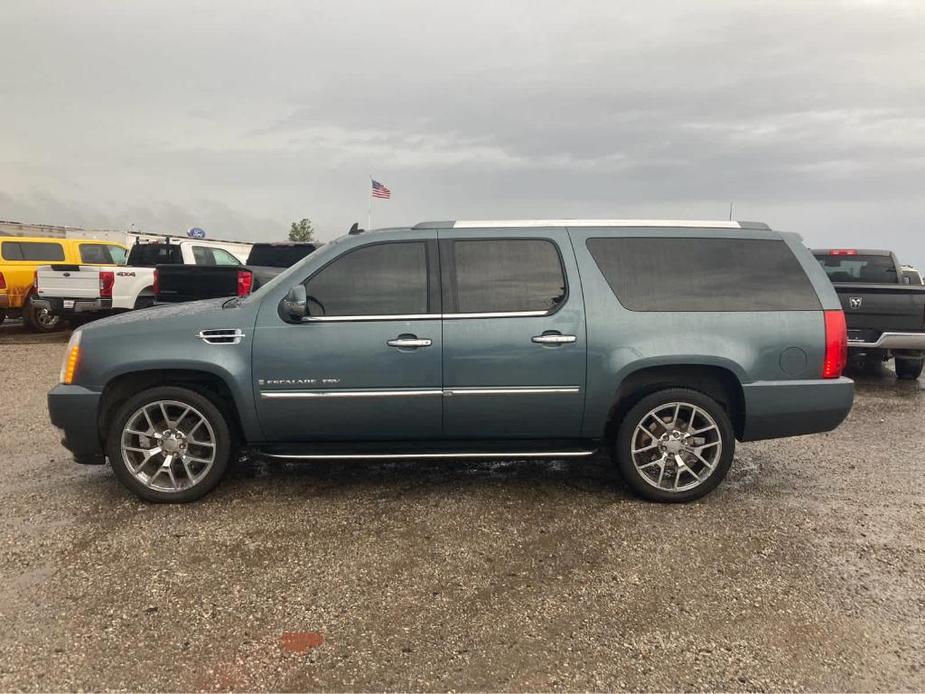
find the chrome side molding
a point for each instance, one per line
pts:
(513, 390)
(429, 456)
(292, 394)
(425, 316)
(417, 392)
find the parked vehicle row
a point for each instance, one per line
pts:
(884, 307)
(20, 258)
(659, 343)
(85, 290)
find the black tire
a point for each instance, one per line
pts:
(647, 488)
(909, 369)
(223, 441)
(144, 301)
(2, 317)
(40, 320)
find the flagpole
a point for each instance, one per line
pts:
(369, 212)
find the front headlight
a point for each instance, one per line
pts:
(71, 357)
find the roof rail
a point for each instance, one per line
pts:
(509, 223)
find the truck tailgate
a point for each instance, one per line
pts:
(69, 282)
(881, 307)
(177, 283)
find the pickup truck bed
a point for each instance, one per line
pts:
(178, 283)
(885, 316)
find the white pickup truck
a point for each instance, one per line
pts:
(89, 289)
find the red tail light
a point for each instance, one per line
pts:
(836, 344)
(245, 282)
(107, 279)
(2, 281)
(843, 251)
(156, 288)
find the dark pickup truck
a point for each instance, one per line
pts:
(178, 283)
(885, 312)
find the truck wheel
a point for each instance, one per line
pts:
(144, 301)
(674, 445)
(2, 316)
(40, 319)
(909, 369)
(169, 444)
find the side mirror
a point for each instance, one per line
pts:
(295, 303)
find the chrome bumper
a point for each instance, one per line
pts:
(57, 305)
(893, 341)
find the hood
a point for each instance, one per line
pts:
(159, 312)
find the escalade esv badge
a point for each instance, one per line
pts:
(855, 302)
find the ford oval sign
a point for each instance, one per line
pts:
(196, 233)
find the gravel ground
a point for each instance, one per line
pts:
(804, 570)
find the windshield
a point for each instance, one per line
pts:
(861, 269)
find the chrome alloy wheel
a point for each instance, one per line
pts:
(168, 445)
(676, 446)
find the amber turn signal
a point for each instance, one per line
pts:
(71, 357)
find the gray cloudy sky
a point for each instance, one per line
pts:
(242, 116)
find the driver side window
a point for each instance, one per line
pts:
(382, 279)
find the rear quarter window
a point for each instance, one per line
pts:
(693, 274)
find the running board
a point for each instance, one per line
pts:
(483, 455)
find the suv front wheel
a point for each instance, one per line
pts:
(674, 445)
(169, 444)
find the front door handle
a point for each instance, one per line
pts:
(553, 339)
(409, 342)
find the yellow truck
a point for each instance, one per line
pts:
(21, 256)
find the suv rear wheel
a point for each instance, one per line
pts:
(169, 444)
(909, 369)
(674, 445)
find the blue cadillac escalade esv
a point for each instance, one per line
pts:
(660, 343)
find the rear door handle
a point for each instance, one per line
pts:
(406, 342)
(554, 339)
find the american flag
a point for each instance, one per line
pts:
(380, 191)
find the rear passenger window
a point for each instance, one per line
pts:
(203, 255)
(33, 250)
(378, 280)
(118, 254)
(507, 275)
(223, 257)
(687, 274)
